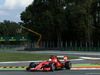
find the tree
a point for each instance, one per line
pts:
(62, 19)
(8, 28)
(79, 20)
(45, 17)
(95, 12)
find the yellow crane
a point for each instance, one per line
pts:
(36, 45)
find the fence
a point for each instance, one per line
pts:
(11, 46)
(69, 45)
(81, 48)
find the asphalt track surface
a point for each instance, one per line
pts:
(59, 72)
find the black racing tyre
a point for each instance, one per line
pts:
(32, 65)
(27, 68)
(68, 65)
(52, 66)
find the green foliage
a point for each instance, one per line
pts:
(79, 19)
(45, 17)
(10, 29)
(57, 18)
(95, 12)
(60, 20)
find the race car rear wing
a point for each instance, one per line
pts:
(65, 58)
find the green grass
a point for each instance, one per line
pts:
(85, 65)
(8, 56)
(71, 57)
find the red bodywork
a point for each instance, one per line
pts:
(40, 65)
(43, 66)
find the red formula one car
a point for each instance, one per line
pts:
(50, 65)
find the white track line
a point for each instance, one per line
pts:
(85, 68)
(89, 58)
(18, 62)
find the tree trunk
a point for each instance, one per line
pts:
(58, 37)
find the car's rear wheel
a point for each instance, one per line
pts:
(52, 67)
(68, 65)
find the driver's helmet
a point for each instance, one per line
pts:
(49, 60)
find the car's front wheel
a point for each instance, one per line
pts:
(32, 65)
(52, 67)
(27, 68)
